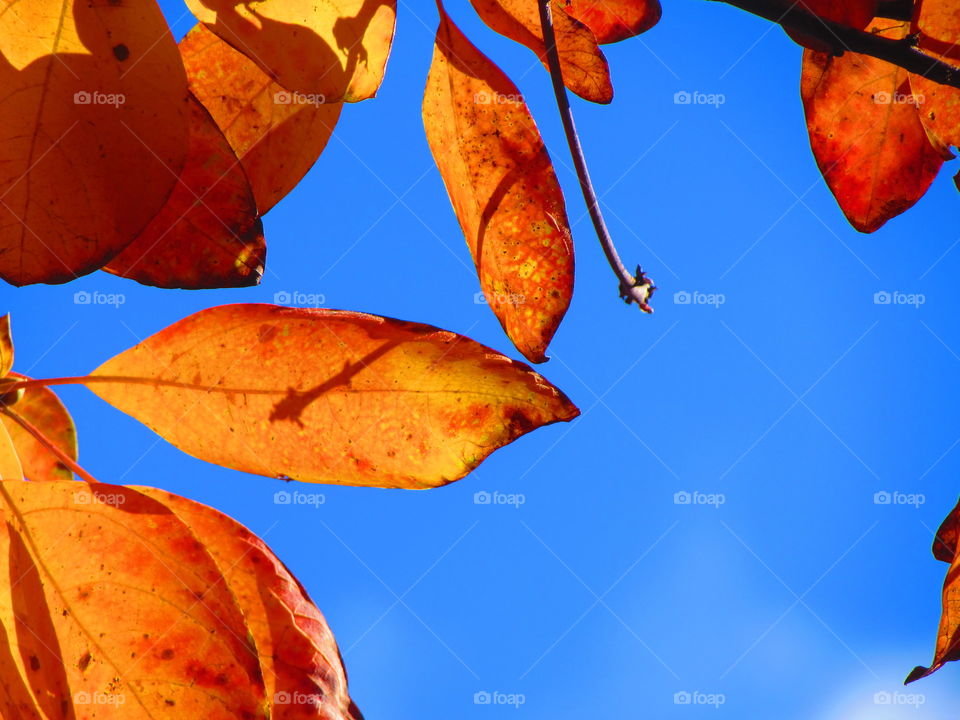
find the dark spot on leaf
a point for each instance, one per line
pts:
(84, 661)
(34, 663)
(121, 52)
(167, 654)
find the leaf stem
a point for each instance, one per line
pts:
(840, 38)
(637, 288)
(49, 444)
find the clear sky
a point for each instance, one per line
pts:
(796, 400)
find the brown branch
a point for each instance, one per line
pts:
(637, 288)
(841, 38)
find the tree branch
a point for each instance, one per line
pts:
(841, 38)
(637, 288)
(49, 444)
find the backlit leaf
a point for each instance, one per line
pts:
(93, 132)
(41, 407)
(582, 63)
(615, 20)
(938, 25)
(208, 235)
(337, 49)
(10, 468)
(328, 395)
(298, 653)
(948, 636)
(276, 135)
(139, 604)
(503, 189)
(865, 133)
(119, 606)
(6, 346)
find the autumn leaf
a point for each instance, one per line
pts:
(93, 124)
(938, 24)
(615, 20)
(327, 395)
(276, 136)
(298, 652)
(121, 604)
(865, 134)
(208, 235)
(6, 346)
(948, 636)
(852, 13)
(583, 67)
(329, 50)
(503, 189)
(10, 468)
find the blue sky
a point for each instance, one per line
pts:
(795, 401)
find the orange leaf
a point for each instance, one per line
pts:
(41, 407)
(337, 49)
(582, 64)
(948, 636)
(139, 604)
(298, 654)
(6, 346)
(118, 605)
(615, 20)
(93, 123)
(938, 24)
(328, 395)
(503, 189)
(276, 137)
(10, 468)
(865, 133)
(208, 234)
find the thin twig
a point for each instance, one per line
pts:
(49, 444)
(840, 38)
(637, 288)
